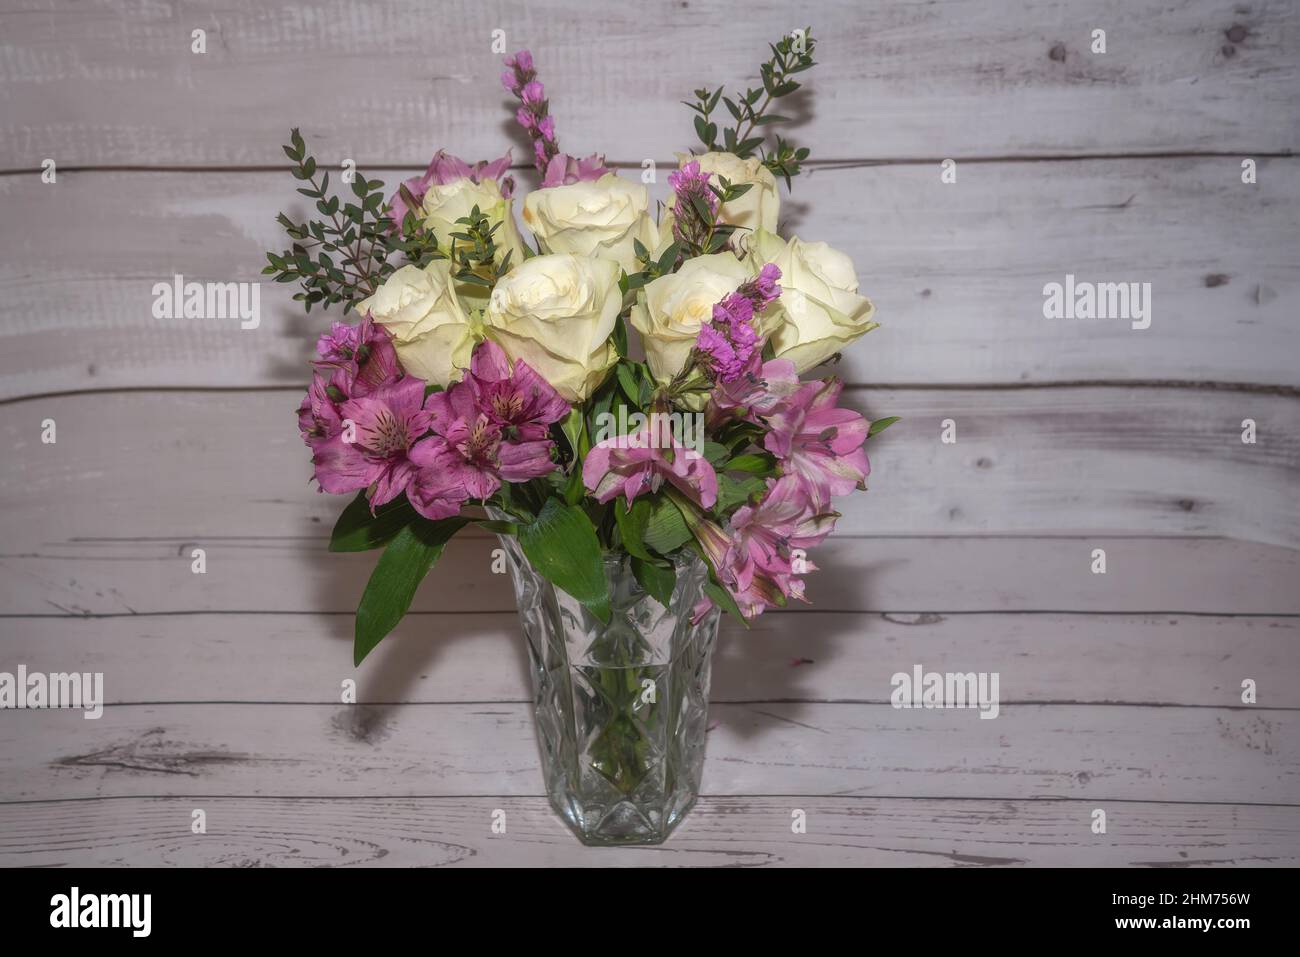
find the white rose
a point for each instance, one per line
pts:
(761, 203)
(431, 330)
(670, 310)
(556, 312)
(603, 219)
(443, 205)
(820, 311)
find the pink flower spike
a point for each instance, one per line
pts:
(820, 442)
(642, 461)
(533, 93)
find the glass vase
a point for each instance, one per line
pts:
(621, 707)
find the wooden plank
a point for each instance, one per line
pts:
(1132, 659)
(120, 575)
(719, 831)
(957, 273)
(1042, 461)
(1029, 751)
(121, 85)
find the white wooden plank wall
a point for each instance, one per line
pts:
(1120, 691)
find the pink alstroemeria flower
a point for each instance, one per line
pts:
(521, 403)
(760, 388)
(364, 353)
(489, 428)
(770, 541)
(445, 168)
(642, 461)
(318, 415)
(761, 559)
(371, 450)
(820, 442)
(565, 170)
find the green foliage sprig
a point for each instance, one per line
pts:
(344, 256)
(790, 55)
(474, 250)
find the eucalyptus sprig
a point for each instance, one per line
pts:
(345, 255)
(473, 251)
(790, 55)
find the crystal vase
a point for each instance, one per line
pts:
(621, 707)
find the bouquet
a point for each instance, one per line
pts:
(493, 378)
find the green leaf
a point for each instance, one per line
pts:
(632, 525)
(752, 462)
(880, 425)
(658, 580)
(722, 598)
(716, 453)
(561, 544)
(732, 492)
(627, 379)
(501, 528)
(572, 429)
(401, 568)
(620, 337)
(666, 530)
(668, 258)
(358, 530)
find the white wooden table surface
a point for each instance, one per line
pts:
(1120, 692)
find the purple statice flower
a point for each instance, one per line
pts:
(763, 289)
(726, 346)
(443, 169)
(687, 183)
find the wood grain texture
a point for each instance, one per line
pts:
(128, 576)
(372, 81)
(1132, 659)
(956, 271)
(1046, 461)
(719, 831)
(808, 748)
